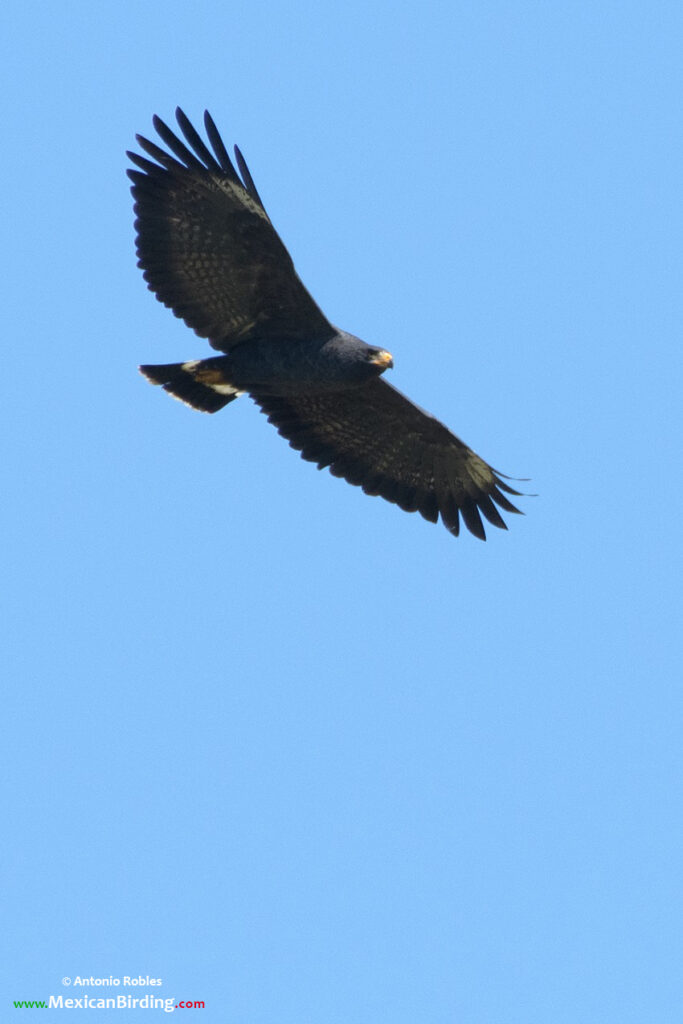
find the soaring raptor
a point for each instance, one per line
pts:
(209, 251)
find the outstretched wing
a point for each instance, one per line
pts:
(376, 438)
(207, 247)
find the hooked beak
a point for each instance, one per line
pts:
(383, 359)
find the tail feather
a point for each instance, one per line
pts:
(200, 383)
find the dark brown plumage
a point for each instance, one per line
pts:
(209, 251)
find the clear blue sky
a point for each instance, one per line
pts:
(298, 754)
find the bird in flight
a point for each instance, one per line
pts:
(208, 251)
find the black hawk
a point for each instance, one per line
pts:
(209, 251)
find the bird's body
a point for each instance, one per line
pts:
(209, 251)
(273, 367)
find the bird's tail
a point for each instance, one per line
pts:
(201, 383)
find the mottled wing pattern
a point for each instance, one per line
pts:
(207, 247)
(376, 438)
